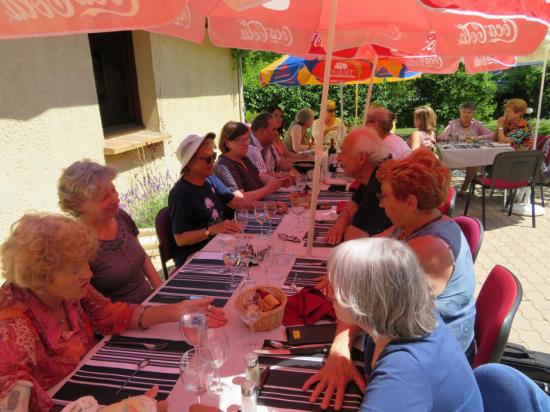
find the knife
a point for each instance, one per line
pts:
(323, 349)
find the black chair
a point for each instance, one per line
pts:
(510, 171)
(543, 144)
(167, 244)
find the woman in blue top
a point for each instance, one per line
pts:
(412, 361)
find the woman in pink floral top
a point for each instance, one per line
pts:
(49, 311)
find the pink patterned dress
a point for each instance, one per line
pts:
(33, 346)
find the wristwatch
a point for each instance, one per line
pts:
(207, 233)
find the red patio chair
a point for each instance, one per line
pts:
(473, 232)
(167, 244)
(448, 207)
(496, 307)
(510, 171)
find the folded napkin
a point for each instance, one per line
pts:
(306, 307)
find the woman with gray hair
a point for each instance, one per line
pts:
(49, 311)
(297, 137)
(122, 270)
(412, 361)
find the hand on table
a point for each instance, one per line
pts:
(225, 226)
(215, 317)
(203, 408)
(335, 234)
(322, 284)
(274, 184)
(162, 406)
(333, 378)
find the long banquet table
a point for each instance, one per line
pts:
(462, 155)
(294, 369)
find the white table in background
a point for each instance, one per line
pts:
(460, 156)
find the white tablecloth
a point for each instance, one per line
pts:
(462, 156)
(232, 372)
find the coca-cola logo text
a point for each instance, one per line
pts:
(21, 10)
(184, 19)
(434, 62)
(477, 33)
(256, 31)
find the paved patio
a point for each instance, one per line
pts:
(513, 243)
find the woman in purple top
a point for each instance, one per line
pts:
(121, 269)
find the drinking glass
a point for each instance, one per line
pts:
(250, 311)
(197, 371)
(260, 216)
(217, 344)
(298, 209)
(243, 248)
(230, 259)
(241, 217)
(193, 328)
(300, 182)
(265, 258)
(270, 212)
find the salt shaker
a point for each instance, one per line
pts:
(252, 367)
(248, 396)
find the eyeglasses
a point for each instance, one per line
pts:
(241, 140)
(208, 159)
(331, 110)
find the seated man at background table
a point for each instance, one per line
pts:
(381, 120)
(362, 152)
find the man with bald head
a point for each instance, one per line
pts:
(361, 153)
(381, 120)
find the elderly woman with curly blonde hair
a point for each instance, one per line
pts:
(122, 270)
(49, 311)
(512, 127)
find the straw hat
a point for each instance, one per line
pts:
(189, 146)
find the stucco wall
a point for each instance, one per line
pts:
(48, 118)
(196, 88)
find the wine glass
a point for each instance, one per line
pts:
(270, 212)
(241, 217)
(217, 344)
(197, 370)
(193, 328)
(260, 216)
(298, 209)
(265, 258)
(230, 259)
(243, 248)
(250, 311)
(300, 182)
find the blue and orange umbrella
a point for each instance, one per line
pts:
(294, 71)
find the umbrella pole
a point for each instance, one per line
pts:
(321, 131)
(356, 105)
(341, 126)
(542, 78)
(369, 93)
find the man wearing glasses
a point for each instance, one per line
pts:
(363, 151)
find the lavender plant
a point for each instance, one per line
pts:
(149, 190)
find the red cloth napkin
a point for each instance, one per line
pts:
(306, 307)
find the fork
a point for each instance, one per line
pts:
(146, 345)
(140, 366)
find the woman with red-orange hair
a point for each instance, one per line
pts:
(412, 189)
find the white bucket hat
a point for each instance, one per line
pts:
(188, 147)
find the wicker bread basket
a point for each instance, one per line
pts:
(268, 320)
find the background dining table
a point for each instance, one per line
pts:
(462, 155)
(232, 372)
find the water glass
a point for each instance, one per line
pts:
(244, 249)
(260, 216)
(230, 259)
(217, 344)
(298, 209)
(197, 371)
(193, 328)
(250, 311)
(270, 212)
(241, 217)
